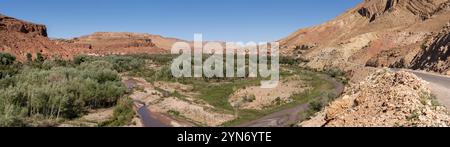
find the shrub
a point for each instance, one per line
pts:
(6, 59)
(335, 72)
(61, 92)
(80, 59)
(316, 105)
(123, 113)
(29, 57)
(288, 61)
(39, 58)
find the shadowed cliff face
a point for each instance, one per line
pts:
(380, 33)
(435, 54)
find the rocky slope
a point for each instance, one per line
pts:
(407, 102)
(379, 33)
(14, 25)
(19, 38)
(435, 54)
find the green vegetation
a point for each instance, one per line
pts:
(426, 98)
(55, 90)
(6, 67)
(216, 91)
(6, 59)
(119, 63)
(174, 113)
(335, 72)
(414, 116)
(218, 95)
(123, 114)
(29, 57)
(322, 93)
(289, 61)
(39, 58)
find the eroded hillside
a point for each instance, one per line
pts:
(379, 33)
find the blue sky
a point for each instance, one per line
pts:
(224, 20)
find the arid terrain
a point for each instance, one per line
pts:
(378, 33)
(383, 63)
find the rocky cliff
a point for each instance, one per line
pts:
(20, 38)
(15, 25)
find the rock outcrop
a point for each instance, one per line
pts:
(20, 38)
(435, 53)
(405, 103)
(372, 9)
(15, 25)
(379, 33)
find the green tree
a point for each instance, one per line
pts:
(6, 59)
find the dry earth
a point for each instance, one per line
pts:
(384, 99)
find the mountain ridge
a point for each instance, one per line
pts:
(379, 33)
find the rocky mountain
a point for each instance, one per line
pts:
(379, 33)
(20, 38)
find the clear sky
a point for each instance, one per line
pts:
(224, 20)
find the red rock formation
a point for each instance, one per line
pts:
(20, 38)
(12, 24)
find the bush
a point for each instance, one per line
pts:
(80, 59)
(335, 72)
(10, 115)
(6, 59)
(288, 61)
(39, 58)
(123, 113)
(29, 57)
(61, 92)
(118, 63)
(316, 105)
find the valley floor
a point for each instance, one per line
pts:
(238, 103)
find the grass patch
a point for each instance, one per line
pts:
(321, 94)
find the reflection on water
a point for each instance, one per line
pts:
(148, 120)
